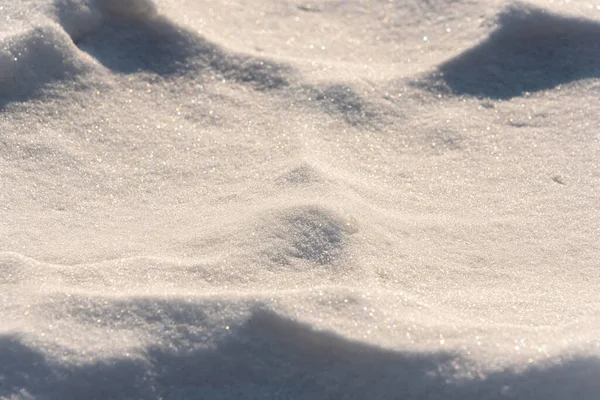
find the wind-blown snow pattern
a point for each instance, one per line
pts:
(314, 199)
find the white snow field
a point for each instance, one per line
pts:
(299, 199)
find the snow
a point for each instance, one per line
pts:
(135, 9)
(258, 199)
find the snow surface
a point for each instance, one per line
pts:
(322, 199)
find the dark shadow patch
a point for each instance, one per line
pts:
(342, 101)
(77, 18)
(310, 233)
(270, 356)
(315, 236)
(302, 175)
(161, 47)
(310, 7)
(444, 139)
(518, 124)
(531, 50)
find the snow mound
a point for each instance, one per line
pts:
(78, 18)
(34, 58)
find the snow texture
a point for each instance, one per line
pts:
(288, 199)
